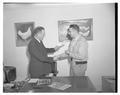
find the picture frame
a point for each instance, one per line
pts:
(85, 26)
(23, 32)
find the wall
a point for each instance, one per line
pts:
(101, 49)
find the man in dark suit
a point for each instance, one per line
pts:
(40, 63)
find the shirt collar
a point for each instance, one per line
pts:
(76, 38)
(37, 39)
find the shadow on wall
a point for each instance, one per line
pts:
(28, 56)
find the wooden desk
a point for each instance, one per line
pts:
(79, 84)
(108, 84)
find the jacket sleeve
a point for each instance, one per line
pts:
(50, 50)
(34, 51)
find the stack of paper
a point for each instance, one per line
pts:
(59, 85)
(33, 80)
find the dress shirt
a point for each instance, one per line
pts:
(78, 49)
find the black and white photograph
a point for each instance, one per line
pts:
(59, 47)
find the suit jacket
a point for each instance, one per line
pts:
(40, 64)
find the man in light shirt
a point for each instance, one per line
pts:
(77, 52)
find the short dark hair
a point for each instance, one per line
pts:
(74, 26)
(37, 29)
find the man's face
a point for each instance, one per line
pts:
(72, 32)
(68, 35)
(41, 34)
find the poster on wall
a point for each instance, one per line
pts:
(85, 25)
(23, 33)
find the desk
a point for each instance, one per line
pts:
(79, 84)
(108, 84)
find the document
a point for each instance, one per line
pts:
(59, 85)
(33, 81)
(8, 85)
(57, 53)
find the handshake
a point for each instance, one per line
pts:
(60, 57)
(56, 58)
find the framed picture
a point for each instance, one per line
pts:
(85, 25)
(23, 33)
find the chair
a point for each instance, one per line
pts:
(9, 73)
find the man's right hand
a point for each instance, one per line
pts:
(67, 52)
(55, 58)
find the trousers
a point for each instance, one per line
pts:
(77, 69)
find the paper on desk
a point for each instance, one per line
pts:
(8, 85)
(60, 86)
(32, 80)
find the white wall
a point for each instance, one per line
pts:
(101, 49)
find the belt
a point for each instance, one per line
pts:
(80, 62)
